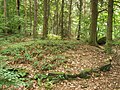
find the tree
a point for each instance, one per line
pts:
(80, 15)
(69, 21)
(56, 18)
(25, 16)
(94, 16)
(62, 22)
(35, 20)
(45, 23)
(18, 12)
(109, 27)
(30, 6)
(5, 15)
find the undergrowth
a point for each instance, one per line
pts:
(42, 55)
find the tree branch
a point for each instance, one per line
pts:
(102, 11)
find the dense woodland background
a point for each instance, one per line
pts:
(33, 30)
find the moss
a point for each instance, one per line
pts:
(105, 68)
(85, 73)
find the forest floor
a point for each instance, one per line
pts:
(90, 57)
(43, 57)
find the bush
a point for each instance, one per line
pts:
(54, 37)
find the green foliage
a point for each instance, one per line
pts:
(8, 39)
(48, 80)
(7, 77)
(46, 54)
(31, 50)
(14, 50)
(18, 56)
(11, 26)
(116, 42)
(3, 58)
(47, 66)
(35, 64)
(106, 67)
(27, 56)
(53, 62)
(54, 37)
(85, 73)
(11, 76)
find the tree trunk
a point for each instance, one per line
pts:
(5, 15)
(80, 15)
(57, 17)
(30, 14)
(5, 9)
(69, 22)
(45, 23)
(62, 22)
(25, 17)
(18, 13)
(109, 27)
(94, 16)
(35, 20)
(56, 25)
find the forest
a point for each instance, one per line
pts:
(59, 45)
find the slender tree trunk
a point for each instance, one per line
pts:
(62, 22)
(109, 27)
(30, 14)
(35, 20)
(5, 9)
(25, 17)
(80, 15)
(5, 15)
(18, 7)
(45, 23)
(55, 25)
(57, 17)
(48, 9)
(18, 12)
(69, 22)
(94, 16)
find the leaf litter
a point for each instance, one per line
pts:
(82, 57)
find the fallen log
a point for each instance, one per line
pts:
(85, 74)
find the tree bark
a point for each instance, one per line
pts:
(80, 15)
(56, 23)
(35, 20)
(25, 16)
(57, 17)
(109, 27)
(30, 14)
(62, 22)
(5, 9)
(5, 15)
(69, 22)
(18, 13)
(45, 23)
(94, 16)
